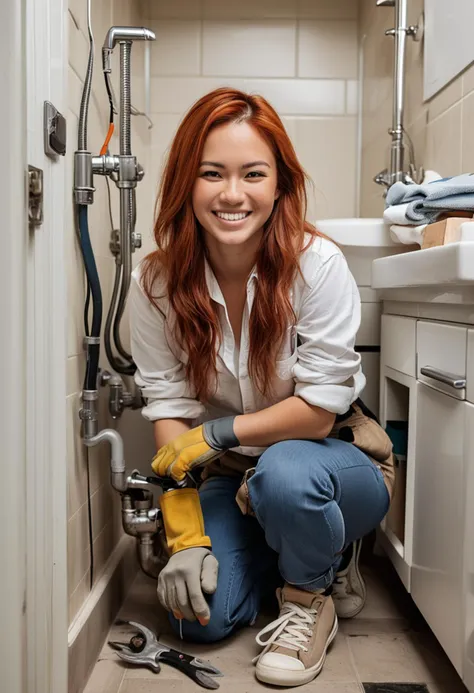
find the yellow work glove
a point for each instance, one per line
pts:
(182, 519)
(199, 446)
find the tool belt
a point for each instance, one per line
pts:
(358, 426)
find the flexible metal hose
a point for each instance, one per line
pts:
(125, 99)
(86, 92)
(117, 365)
(93, 350)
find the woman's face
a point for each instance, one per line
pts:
(236, 187)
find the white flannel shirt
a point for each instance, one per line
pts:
(317, 361)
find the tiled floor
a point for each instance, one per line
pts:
(387, 642)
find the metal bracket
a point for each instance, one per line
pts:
(35, 196)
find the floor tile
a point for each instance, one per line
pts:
(402, 657)
(106, 677)
(157, 685)
(388, 642)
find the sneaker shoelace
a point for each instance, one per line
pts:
(340, 587)
(291, 630)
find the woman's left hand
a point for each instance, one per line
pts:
(198, 446)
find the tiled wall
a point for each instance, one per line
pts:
(441, 129)
(106, 516)
(302, 55)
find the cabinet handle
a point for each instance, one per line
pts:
(456, 381)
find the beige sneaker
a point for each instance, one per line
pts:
(348, 589)
(294, 654)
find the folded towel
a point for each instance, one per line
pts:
(427, 201)
(407, 235)
(396, 214)
(399, 193)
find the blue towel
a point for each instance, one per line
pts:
(426, 202)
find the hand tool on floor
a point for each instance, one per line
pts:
(145, 649)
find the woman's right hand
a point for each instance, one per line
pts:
(182, 582)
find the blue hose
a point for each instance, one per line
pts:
(93, 350)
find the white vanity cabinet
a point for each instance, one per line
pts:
(438, 522)
(427, 380)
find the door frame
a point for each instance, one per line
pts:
(33, 356)
(46, 485)
(13, 347)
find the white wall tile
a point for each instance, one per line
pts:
(443, 146)
(78, 48)
(327, 49)
(468, 81)
(467, 163)
(125, 12)
(328, 9)
(249, 48)
(327, 151)
(75, 87)
(176, 50)
(177, 9)
(446, 98)
(352, 96)
(78, 9)
(289, 97)
(76, 457)
(78, 548)
(101, 507)
(75, 373)
(250, 9)
(78, 597)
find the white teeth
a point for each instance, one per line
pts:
(231, 217)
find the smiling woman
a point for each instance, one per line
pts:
(243, 330)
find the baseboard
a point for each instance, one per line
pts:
(89, 629)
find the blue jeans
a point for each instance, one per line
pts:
(312, 499)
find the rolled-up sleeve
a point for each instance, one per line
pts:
(159, 375)
(327, 366)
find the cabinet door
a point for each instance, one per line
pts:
(438, 528)
(468, 667)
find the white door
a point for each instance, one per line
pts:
(438, 527)
(33, 515)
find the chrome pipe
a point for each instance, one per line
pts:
(397, 148)
(150, 563)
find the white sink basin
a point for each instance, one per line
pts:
(369, 232)
(446, 264)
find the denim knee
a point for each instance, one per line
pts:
(281, 479)
(217, 629)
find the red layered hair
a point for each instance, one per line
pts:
(179, 259)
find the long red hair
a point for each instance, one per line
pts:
(180, 255)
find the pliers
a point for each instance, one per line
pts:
(145, 649)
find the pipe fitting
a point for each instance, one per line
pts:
(150, 563)
(89, 414)
(125, 33)
(83, 179)
(117, 461)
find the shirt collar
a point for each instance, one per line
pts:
(213, 285)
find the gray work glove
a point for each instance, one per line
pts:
(183, 580)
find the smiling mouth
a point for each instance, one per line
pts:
(232, 216)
